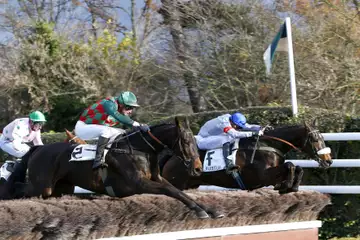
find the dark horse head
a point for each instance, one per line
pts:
(262, 161)
(304, 138)
(182, 145)
(133, 166)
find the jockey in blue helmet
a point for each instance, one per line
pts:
(222, 131)
(239, 120)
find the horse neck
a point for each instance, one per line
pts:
(167, 134)
(296, 135)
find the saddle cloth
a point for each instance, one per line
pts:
(214, 159)
(85, 152)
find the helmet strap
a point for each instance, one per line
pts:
(122, 98)
(32, 124)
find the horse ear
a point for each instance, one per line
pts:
(182, 122)
(306, 124)
(177, 122)
(315, 123)
(186, 123)
(68, 133)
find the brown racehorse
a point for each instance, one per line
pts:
(266, 167)
(133, 166)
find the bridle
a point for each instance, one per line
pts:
(315, 151)
(72, 139)
(170, 151)
(316, 135)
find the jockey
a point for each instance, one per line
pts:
(21, 131)
(99, 119)
(222, 131)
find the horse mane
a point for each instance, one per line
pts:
(71, 135)
(285, 127)
(154, 127)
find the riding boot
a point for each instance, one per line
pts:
(16, 181)
(99, 161)
(230, 166)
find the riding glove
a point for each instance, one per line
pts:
(258, 133)
(268, 127)
(261, 132)
(144, 127)
(136, 124)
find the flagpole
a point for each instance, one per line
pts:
(291, 67)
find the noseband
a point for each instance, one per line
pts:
(315, 151)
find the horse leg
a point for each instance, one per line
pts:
(36, 191)
(281, 177)
(258, 179)
(39, 185)
(213, 212)
(155, 176)
(148, 186)
(289, 176)
(63, 188)
(299, 172)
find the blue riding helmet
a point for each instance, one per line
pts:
(238, 119)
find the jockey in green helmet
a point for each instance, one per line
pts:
(21, 131)
(102, 119)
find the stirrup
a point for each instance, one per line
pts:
(99, 165)
(232, 168)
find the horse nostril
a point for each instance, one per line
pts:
(198, 171)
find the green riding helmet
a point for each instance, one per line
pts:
(128, 99)
(37, 116)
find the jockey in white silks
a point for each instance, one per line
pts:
(21, 131)
(222, 131)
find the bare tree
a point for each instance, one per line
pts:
(172, 15)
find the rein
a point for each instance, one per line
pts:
(186, 163)
(156, 139)
(72, 139)
(284, 141)
(162, 144)
(165, 147)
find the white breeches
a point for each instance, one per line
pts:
(212, 142)
(8, 146)
(93, 131)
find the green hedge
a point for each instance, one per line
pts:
(341, 219)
